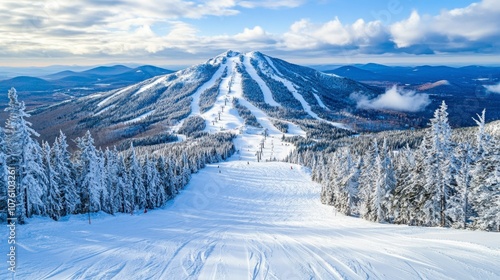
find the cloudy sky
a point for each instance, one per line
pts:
(174, 32)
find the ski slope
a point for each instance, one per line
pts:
(250, 221)
(223, 112)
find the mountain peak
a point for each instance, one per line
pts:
(230, 53)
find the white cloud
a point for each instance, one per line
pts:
(304, 34)
(254, 34)
(407, 32)
(394, 99)
(472, 28)
(271, 4)
(493, 88)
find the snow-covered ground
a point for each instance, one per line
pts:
(250, 221)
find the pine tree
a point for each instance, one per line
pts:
(161, 196)
(111, 170)
(164, 191)
(104, 200)
(350, 184)
(24, 154)
(125, 192)
(135, 180)
(3, 177)
(150, 179)
(403, 203)
(331, 186)
(61, 162)
(415, 189)
(338, 179)
(368, 184)
(385, 185)
(482, 138)
(458, 210)
(438, 167)
(89, 177)
(185, 172)
(52, 197)
(485, 182)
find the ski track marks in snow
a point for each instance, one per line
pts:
(251, 221)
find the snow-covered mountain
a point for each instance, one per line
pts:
(230, 91)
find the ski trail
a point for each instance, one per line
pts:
(320, 102)
(270, 62)
(195, 104)
(268, 96)
(262, 117)
(290, 86)
(222, 115)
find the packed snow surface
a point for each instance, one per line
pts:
(253, 220)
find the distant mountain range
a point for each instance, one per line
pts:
(463, 79)
(465, 89)
(64, 84)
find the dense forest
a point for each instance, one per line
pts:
(49, 180)
(432, 177)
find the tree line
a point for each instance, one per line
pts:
(441, 181)
(53, 181)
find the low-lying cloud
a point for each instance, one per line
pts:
(394, 99)
(493, 88)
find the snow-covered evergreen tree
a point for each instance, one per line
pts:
(415, 190)
(24, 154)
(482, 138)
(52, 198)
(150, 180)
(438, 164)
(89, 174)
(61, 162)
(458, 204)
(3, 176)
(403, 201)
(368, 184)
(135, 182)
(125, 192)
(384, 185)
(104, 200)
(485, 183)
(348, 197)
(164, 186)
(185, 172)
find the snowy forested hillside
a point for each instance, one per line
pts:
(273, 87)
(433, 177)
(51, 181)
